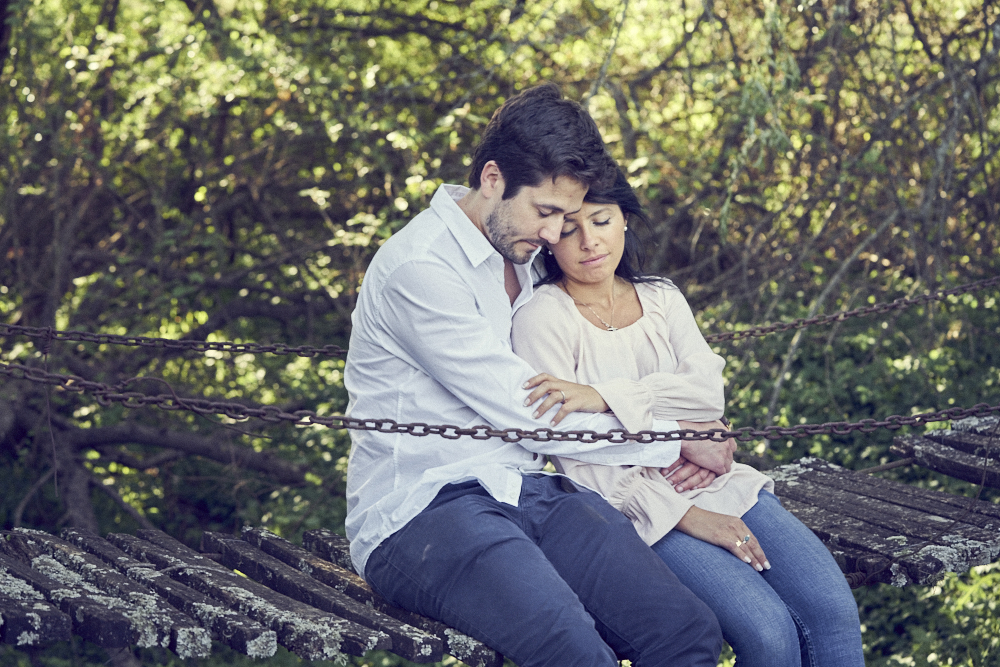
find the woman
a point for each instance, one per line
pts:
(631, 344)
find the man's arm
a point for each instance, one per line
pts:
(424, 304)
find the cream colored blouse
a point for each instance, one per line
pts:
(659, 367)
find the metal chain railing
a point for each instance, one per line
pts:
(876, 309)
(107, 395)
(49, 334)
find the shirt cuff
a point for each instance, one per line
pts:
(630, 401)
(651, 454)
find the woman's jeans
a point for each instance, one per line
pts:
(801, 611)
(560, 580)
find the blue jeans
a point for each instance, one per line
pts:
(561, 579)
(800, 612)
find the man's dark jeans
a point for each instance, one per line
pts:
(560, 580)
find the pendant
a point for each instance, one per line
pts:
(611, 328)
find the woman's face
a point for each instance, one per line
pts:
(591, 243)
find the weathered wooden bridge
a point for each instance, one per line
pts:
(258, 591)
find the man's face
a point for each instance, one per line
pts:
(518, 226)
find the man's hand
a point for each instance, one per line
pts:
(574, 397)
(685, 475)
(715, 456)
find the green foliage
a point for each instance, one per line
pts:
(224, 170)
(953, 623)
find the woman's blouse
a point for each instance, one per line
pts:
(659, 366)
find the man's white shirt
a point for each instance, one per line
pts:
(431, 344)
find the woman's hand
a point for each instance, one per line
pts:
(574, 397)
(716, 456)
(727, 532)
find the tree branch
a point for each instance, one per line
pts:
(210, 448)
(112, 493)
(39, 483)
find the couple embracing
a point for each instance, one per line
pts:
(520, 302)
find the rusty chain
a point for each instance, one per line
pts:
(107, 395)
(49, 334)
(876, 309)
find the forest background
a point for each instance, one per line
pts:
(223, 170)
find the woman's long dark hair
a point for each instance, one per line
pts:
(634, 257)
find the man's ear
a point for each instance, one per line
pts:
(491, 183)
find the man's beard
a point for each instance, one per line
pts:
(503, 236)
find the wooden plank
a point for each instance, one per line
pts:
(407, 641)
(331, 546)
(351, 584)
(859, 549)
(32, 624)
(92, 619)
(26, 619)
(35, 623)
(864, 547)
(968, 442)
(949, 461)
(983, 514)
(321, 569)
(234, 629)
(917, 544)
(894, 518)
(988, 426)
(856, 563)
(336, 549)
(154, 621)
(304, 630)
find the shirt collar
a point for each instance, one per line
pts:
(473, 242)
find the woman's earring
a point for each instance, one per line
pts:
(626, 228)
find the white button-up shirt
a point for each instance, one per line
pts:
(431, 343)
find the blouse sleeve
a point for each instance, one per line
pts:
(545, 334)
(694, 391)
(541, 335)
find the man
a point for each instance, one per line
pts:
(469, 531)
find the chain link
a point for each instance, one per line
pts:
(107, 395)
(49, 334)
(876, 309)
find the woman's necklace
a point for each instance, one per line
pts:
(607, 325)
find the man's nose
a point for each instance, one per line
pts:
(550, 232)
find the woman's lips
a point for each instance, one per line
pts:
(594, 260)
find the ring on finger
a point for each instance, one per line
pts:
(746, 538)
(563, 395)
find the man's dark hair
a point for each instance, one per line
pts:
(538, 134)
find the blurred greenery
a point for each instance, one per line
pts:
(224, 170)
